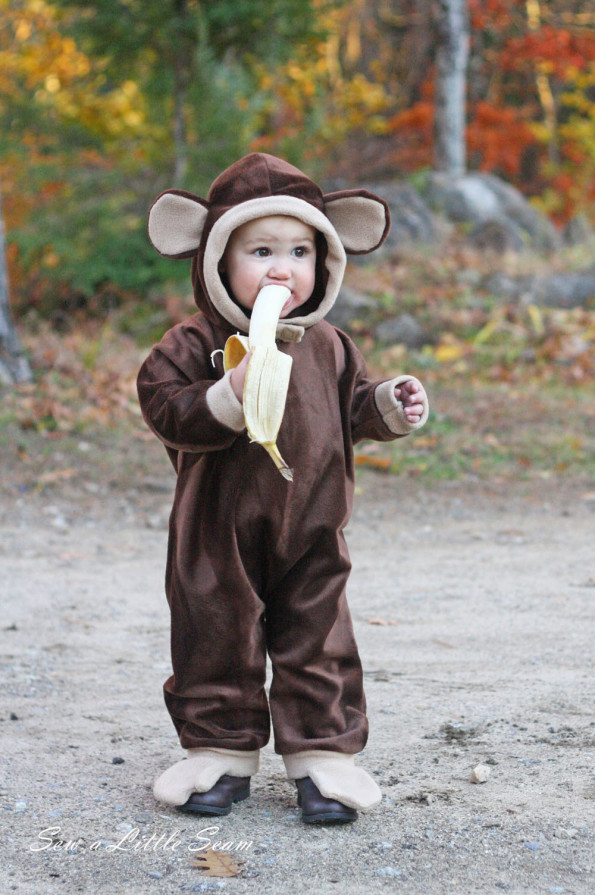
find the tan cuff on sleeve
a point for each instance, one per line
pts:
(224, 405)
(391, 409)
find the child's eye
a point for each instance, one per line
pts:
(262, 252)
(300, 251)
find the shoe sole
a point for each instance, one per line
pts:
(213, 810)
(329, 817)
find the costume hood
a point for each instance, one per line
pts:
(182, 225)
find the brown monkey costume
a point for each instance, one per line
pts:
(256, 563)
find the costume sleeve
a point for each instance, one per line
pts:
(376, 413)
(185, 408)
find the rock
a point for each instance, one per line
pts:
(507, 287)
(389, 871)
(480, 774)
(515, 206)
(481, 198)
(463, 199)
(564, 290)
(402, 330)
(497, 236)
(566, 833)
(411, 219)
(350, 305)
(578, 231)
(561, 290)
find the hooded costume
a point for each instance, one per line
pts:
(257, 564)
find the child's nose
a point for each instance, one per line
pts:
(280, 270)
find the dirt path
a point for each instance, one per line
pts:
(473, 612)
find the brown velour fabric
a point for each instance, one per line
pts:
(256, 563)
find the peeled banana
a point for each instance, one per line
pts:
(267, 376)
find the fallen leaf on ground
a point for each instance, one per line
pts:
(426, 441)
(381, 621)
(56, 475)
(217, 863)
(443, 643)
(375, 462)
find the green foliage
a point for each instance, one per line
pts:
(135, 96)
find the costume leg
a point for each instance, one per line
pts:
(216, 695)
(316, 696)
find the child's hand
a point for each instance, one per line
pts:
(412, 396)
(238, 375)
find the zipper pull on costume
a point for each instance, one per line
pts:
(256, 564)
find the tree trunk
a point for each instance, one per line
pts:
(181, 63)
(14, 366)
(452, 31)
(179, 128)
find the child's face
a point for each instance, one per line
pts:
(276, 250)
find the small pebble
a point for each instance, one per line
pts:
(21, 805)
(566, 833)
(390, 871)
(533, 846)
(480, 774)
(117, 760)
(154, 874)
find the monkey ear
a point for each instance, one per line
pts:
(176, 222)
(361, 219)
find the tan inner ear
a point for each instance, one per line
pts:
(359, 221)
(176, 224)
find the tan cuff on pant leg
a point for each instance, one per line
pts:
(336, 776)
(201, 770)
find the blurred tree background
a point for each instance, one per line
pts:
(104, 104)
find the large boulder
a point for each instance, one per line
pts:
(558, 290)
(579, 231)
(411, 219)
(350, 305)
(497, 236)
(403, 330)
(481, 198)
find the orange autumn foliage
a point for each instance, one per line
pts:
(557, 47)
(497, 138)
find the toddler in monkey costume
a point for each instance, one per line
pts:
(256, 563)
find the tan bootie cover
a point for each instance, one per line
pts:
(336, 776)
(201, 770)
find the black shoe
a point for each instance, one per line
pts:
(316, 809)
(219, 799)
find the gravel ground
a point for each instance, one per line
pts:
(472, 609)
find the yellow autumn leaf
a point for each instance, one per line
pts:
(536, 317)
(446, 353)
(491, 326)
